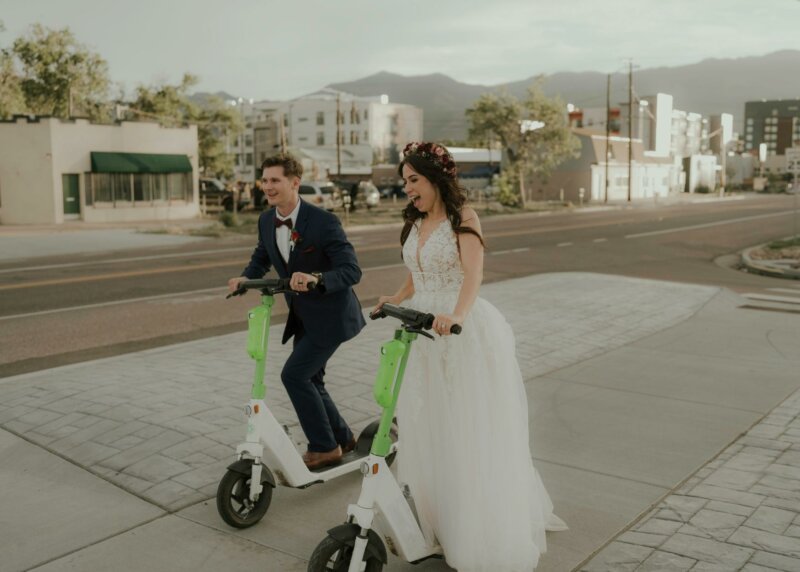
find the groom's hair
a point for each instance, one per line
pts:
(291, 166)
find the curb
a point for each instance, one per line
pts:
(766, 267)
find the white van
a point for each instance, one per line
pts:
(323, 194)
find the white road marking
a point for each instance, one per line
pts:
(121, 260)
(560, 244)
(706, 225)
(789, 290)
(600, 240)
(220, 289)
(768, 298)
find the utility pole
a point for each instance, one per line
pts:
(608, 129)
(338, 136)
(630, 128)
(283, 132)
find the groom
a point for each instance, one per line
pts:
(307, 244)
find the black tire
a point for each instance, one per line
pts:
(234, 504)
(331, 555)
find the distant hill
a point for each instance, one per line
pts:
(201, 97)
(708, 87)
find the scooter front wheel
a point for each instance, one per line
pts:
(234, 504)
(333, 555)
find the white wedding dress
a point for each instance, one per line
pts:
(463, 418)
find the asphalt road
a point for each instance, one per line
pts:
(65, 309)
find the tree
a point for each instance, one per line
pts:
(171, 106)
(12, 100)
(61, 77)
(534, 133)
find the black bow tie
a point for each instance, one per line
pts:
(279, 223)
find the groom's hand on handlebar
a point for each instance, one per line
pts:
(233, 283)
(300, 282)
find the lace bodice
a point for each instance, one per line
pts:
(436, 267)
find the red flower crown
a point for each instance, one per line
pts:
(434, 153)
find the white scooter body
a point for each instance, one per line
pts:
(383, 506)
(267, 442)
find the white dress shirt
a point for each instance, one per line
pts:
(283, 236)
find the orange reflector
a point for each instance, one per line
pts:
(255, 408)
(375, 469)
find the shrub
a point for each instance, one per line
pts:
(507, 190)
(228, 219)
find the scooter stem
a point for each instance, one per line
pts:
(258, 320)
(387, 386)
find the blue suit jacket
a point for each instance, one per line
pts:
(331, 316)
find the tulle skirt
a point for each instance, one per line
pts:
(465, 451)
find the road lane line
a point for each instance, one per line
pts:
(706, 225)
(384, 246)
(113, 275)
(121, 260)
(600, 240)
(220, 289)
(769, 298)
(562, 244)
(789, 290)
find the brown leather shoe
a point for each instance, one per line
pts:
(349, 447)
(316, 460)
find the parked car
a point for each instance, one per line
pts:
(214, 191)
(323, 194)
(396, 190)
(369, 193)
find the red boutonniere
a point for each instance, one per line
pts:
(295, 238)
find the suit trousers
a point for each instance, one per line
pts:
(302, 377)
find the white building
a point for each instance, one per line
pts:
(370, 129)
(651, 176)
(53, 170)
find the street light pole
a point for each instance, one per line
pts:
(630, 128)
(608, 129)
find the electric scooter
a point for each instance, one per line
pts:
(268, 457)
(383, 504)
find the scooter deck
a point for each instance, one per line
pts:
(347, 458)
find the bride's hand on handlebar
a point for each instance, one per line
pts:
(443, 323)
(383, 300)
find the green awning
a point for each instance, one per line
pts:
(139, 163)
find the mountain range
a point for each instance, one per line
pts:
(707, 87)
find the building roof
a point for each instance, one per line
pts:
(474, 155)
(330, 94)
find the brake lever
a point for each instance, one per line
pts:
(237, 292)
(420, 332)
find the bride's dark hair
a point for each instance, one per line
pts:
(453, 196)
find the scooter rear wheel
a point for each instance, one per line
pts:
(234, 504)
(332, 555)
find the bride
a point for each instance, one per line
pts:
(463, 411)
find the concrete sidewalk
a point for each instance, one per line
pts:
(633, 386)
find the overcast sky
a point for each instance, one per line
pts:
(267, 49)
